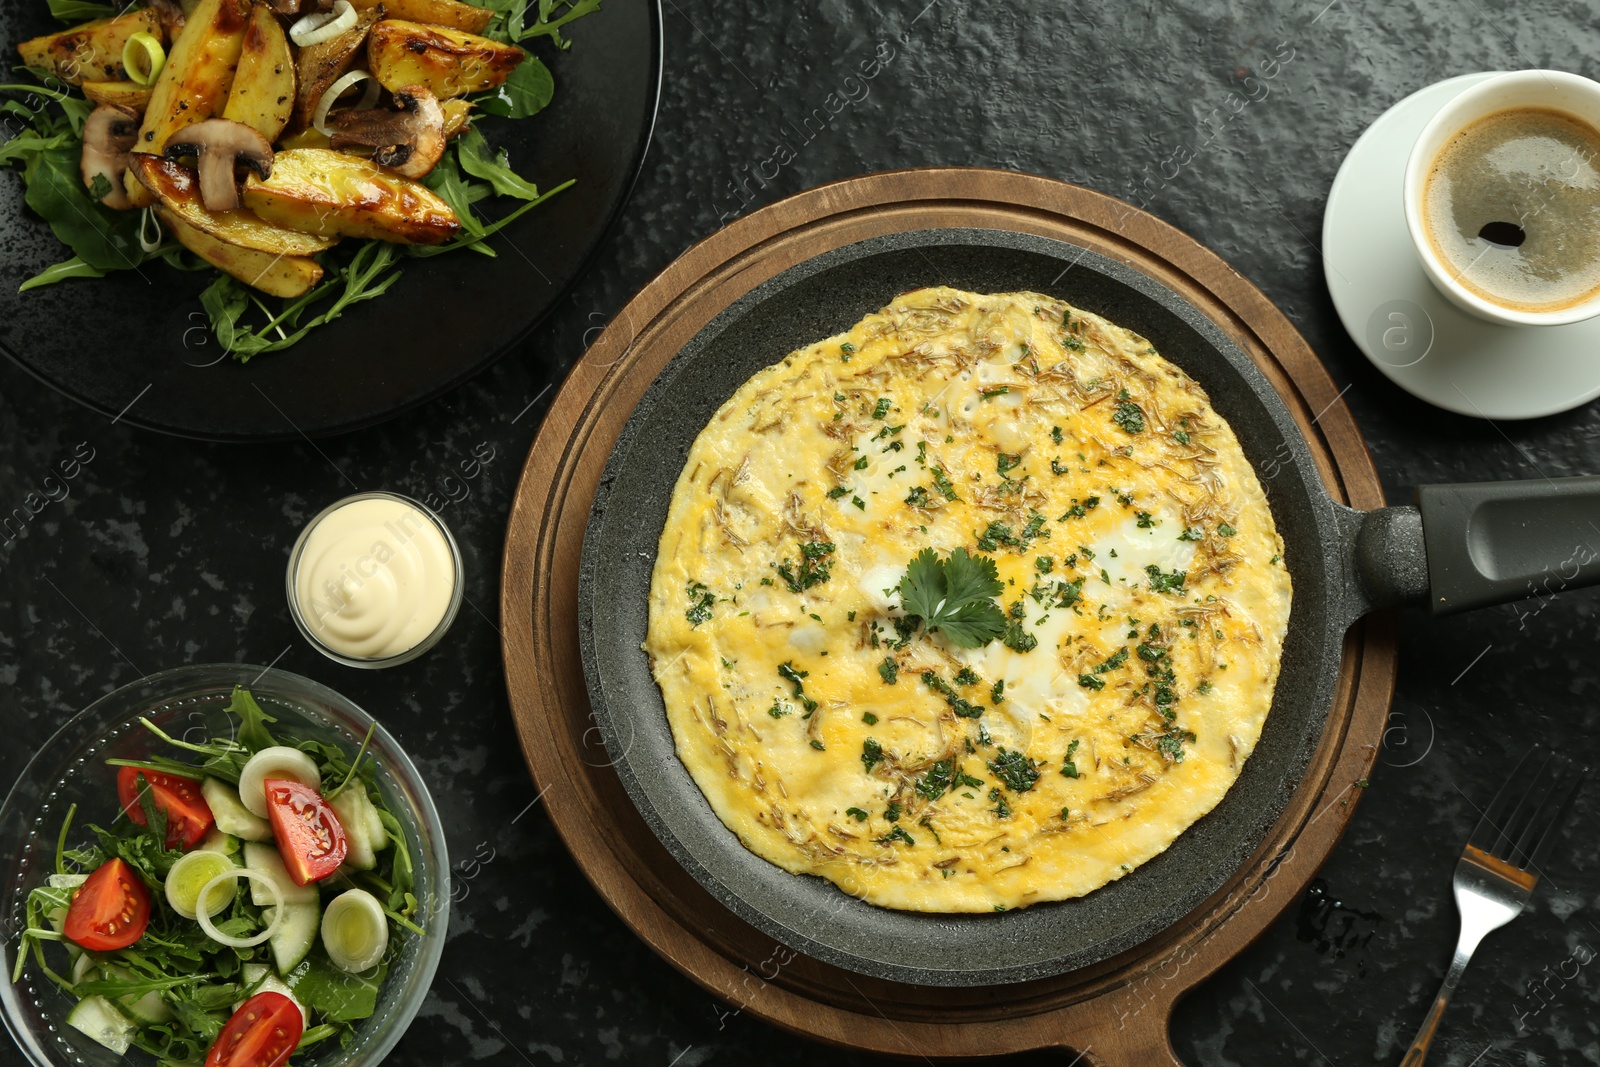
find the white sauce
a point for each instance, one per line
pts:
(375, 578)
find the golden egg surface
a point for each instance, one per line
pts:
(975, 606)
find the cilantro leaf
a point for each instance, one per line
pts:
(955, 595)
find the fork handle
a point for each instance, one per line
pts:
(1465, 946)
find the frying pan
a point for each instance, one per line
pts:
(1461, 546)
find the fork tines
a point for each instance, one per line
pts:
(1520, 824)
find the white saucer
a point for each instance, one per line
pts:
(1418, 339)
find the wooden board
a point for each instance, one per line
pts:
(1116, 1012)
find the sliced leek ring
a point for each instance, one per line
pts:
(319, 117)
(193, 872)
(318, 27)
(142, 58)
(234, 874)
(355, 931)
(279, 761)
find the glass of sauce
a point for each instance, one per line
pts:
(375, 580)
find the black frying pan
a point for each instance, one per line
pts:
(1463, 547)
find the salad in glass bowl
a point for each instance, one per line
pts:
(220, 866)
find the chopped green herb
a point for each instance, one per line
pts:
(817, 745)
(871, 754)
(857, 814)
(997, 692)
(1161, 582)
(999, 390)
(1145, 522)
(700, 601)
(1225, 530)
(1068, 768)
(1128, 416)
(1015, 769)
(881, 408)
(814, 566)
(787, 672)
(1055, 434)
(963, 707)
(889, 670)
(897, 834)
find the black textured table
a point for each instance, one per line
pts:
(1227, 120)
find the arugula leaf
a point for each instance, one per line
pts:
(510, 26)
(102, 238)
(365, 277)
(253, 733)
(955, 596)
(527, 92)
(60, 272)
(341, 996)
(475, 158)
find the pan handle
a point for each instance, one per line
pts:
(1473, 544)
(1495, 542)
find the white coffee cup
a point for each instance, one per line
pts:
(1549, 89)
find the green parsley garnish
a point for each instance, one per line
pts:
(700, 601)
(814, 566)
(871, 754)
(955, 596)
(889, 671)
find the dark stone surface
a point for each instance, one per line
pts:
(165, 552)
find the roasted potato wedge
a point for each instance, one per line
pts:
(276, 275)
(91, 52)
(320, 65)
(450, 13)
(449, 62)
(177, 187)
(122, 94)
(321, 191)
(457, 116)
(194, 84)
(262, 95)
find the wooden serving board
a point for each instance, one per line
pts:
(1113, 1013)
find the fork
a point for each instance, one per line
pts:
(1500, 865)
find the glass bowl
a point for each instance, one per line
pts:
(70, 769)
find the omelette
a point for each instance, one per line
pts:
(974, 606)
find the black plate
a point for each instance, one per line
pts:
(141, 338)
(825, 296)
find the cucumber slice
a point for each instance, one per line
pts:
(276, 762)
(218, 841)
(351, 807)
(292, 940)
(375, 829)
(355, 931)
(190, 875)
(265, 858)
(66, 881)
(259, 978)
(105, 1024)
(233, 818)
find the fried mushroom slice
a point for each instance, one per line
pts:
(407, 139)
(108, 137)
(221, 146)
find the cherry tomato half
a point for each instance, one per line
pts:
(262, 1033)
(110, 909)
(310, 837)
(188, 814)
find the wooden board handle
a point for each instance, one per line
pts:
(1137, 1039)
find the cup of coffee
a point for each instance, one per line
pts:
(1502, 198)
